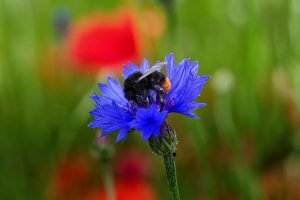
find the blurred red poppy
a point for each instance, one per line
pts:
(70, 179)
(125, 191)
(103, 41)
(133, 167)
(132, 171)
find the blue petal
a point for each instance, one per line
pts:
(128, 70)
(111, 117)
(187, 109)
(148, 121)
(145, 65)
(170, 66)
(180, 78)
(99, 100)
(112, 91)
(186, 87)
(194, 69)
(122, 134)
(146, 134)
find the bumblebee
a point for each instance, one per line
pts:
(138, 85)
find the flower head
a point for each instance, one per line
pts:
(113, 112)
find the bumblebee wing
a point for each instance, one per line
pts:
(155, 68)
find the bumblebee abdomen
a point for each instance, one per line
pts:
(138, 90)
(134, 90)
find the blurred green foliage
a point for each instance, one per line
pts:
(251, 123)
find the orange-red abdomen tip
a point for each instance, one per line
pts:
(167, 85)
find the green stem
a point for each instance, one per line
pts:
(171, 175)
(108, 181)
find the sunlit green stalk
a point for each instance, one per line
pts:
(165, 146)
(171, 175)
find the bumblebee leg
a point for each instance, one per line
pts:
(160, 93)
(159, 89)
(150, 100)
(162, 102)
(139, 100)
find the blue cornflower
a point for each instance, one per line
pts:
(113, 112)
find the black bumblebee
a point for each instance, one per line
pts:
(138, 85)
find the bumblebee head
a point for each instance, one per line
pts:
(166, 85)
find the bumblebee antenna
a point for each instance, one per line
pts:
(156, 67)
